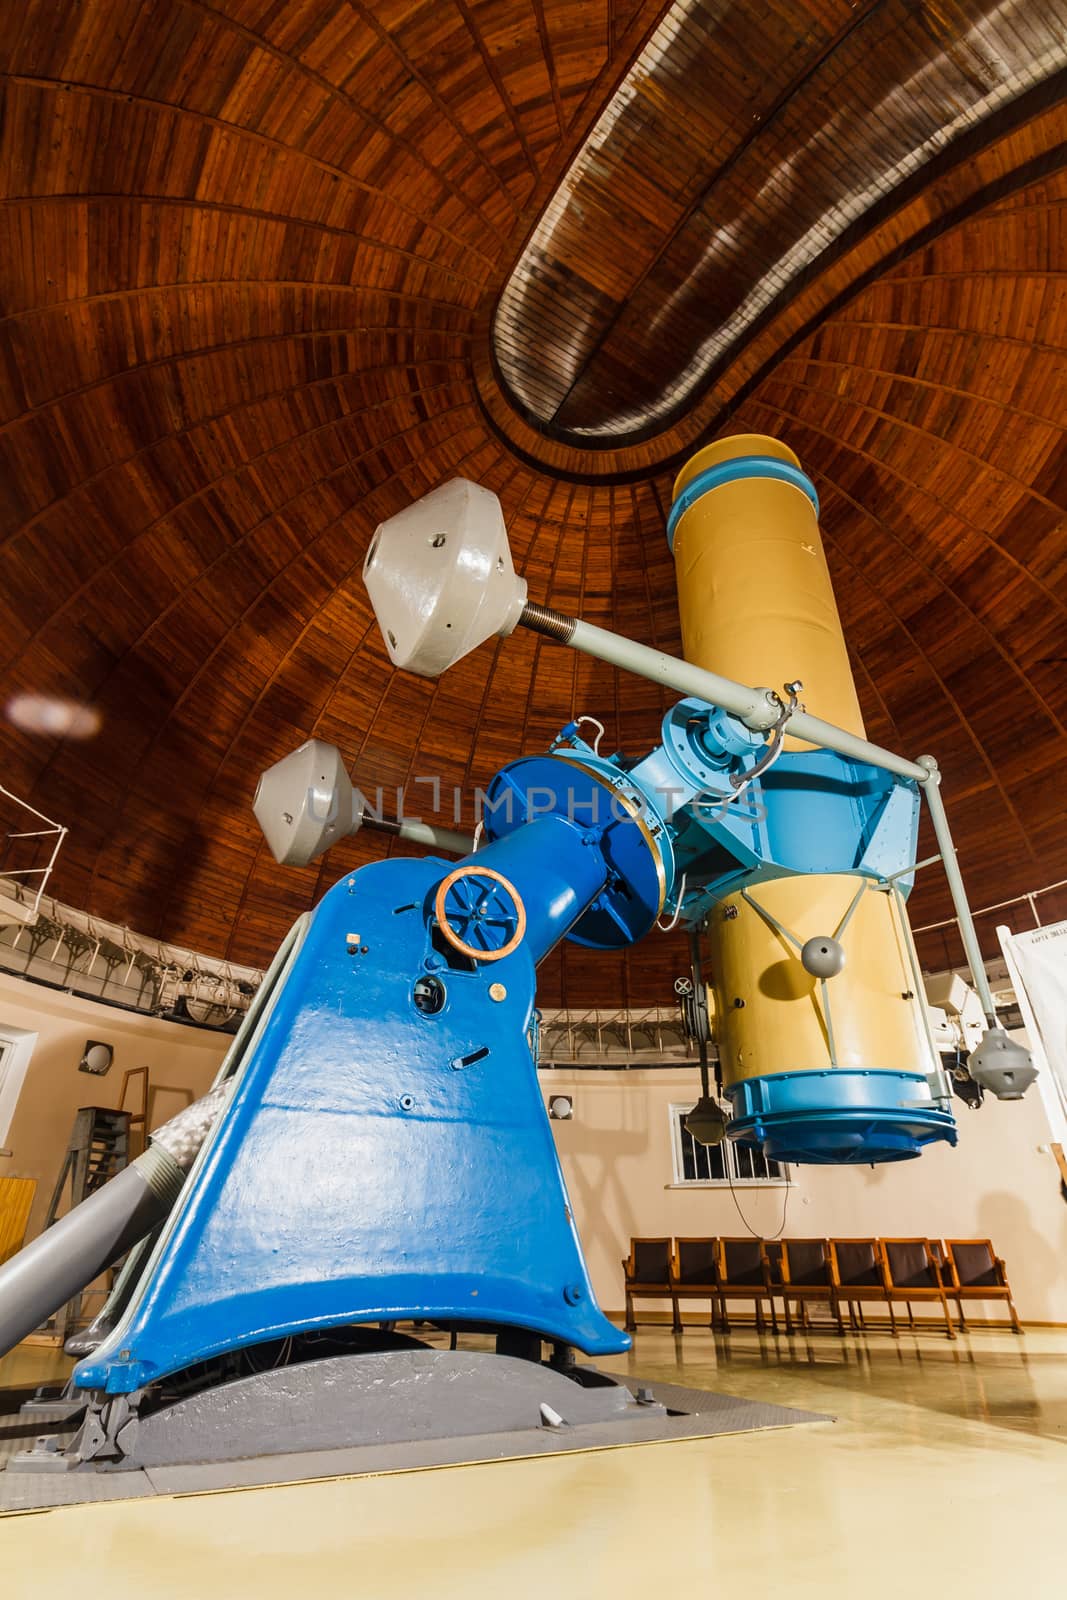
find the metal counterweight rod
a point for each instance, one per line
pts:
(758, 709)
(968, 932)
(459, 844)
(66, 1258)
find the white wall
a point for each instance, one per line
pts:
(616, 1155)
(182, 1062)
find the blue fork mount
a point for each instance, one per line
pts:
(376, 1162)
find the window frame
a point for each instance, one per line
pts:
(676, 1111)
(19, 1046)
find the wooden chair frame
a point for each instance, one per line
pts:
(803, 1293)
(698, 1291)
(854, 1294)
(777, 1283)
(935, 1291)
(756, 1292)
(653, 1290)
(1001, 1290)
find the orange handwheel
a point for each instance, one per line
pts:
(480, 913)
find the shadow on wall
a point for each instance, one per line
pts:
(875, 1176)
(595, 1166)
(1003, 1216)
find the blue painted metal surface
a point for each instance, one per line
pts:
(812, 812)
(843, 1116)
(680, 809)
(556, 866)
(386, 1154)
(378, 1161)
(730, 472)
(620, 830)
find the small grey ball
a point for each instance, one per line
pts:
(822, 956)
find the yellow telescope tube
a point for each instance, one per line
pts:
(757, 606)
(754, 589)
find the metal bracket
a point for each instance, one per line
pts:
(96, 1439)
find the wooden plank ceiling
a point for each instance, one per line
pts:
(251, 256)
(722, 170)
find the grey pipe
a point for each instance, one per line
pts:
(458, 844)
(59, 1263)
(64, 1259)
(758, 709)
(83, 1341)
(961, 905)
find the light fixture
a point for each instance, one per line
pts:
(706, 1123)
(96, 1057)
(561, 1107)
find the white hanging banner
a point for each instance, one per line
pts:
(1037, 962)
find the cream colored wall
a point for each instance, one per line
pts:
(181, 1061)
(616, 1155)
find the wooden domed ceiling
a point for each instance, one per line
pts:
(252, 256)
(723, 172)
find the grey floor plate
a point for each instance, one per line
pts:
(18, 1434)
(701, 1414)
(32, 1491)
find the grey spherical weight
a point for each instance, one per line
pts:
(822, 956)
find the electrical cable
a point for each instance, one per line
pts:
(741, 781)
(667, 927)
(737, 1206)
(599, 726)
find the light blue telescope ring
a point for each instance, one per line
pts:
(731, 472)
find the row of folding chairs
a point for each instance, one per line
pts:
(842, 1274)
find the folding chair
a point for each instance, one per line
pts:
(743, 1275)
(974, 1271)
(912, 1273)
(808, 1276)
(694, 1273)
(648, 1276)
(858, 1276)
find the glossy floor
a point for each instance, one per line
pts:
(943, 1474)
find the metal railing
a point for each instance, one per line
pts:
(26, 909)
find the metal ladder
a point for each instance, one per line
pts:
(99, 1148)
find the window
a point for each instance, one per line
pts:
(16, 1047)
(725, 1163)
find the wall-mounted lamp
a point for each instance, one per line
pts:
(561, 1107)
(706, 1123)
(96, 1057)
